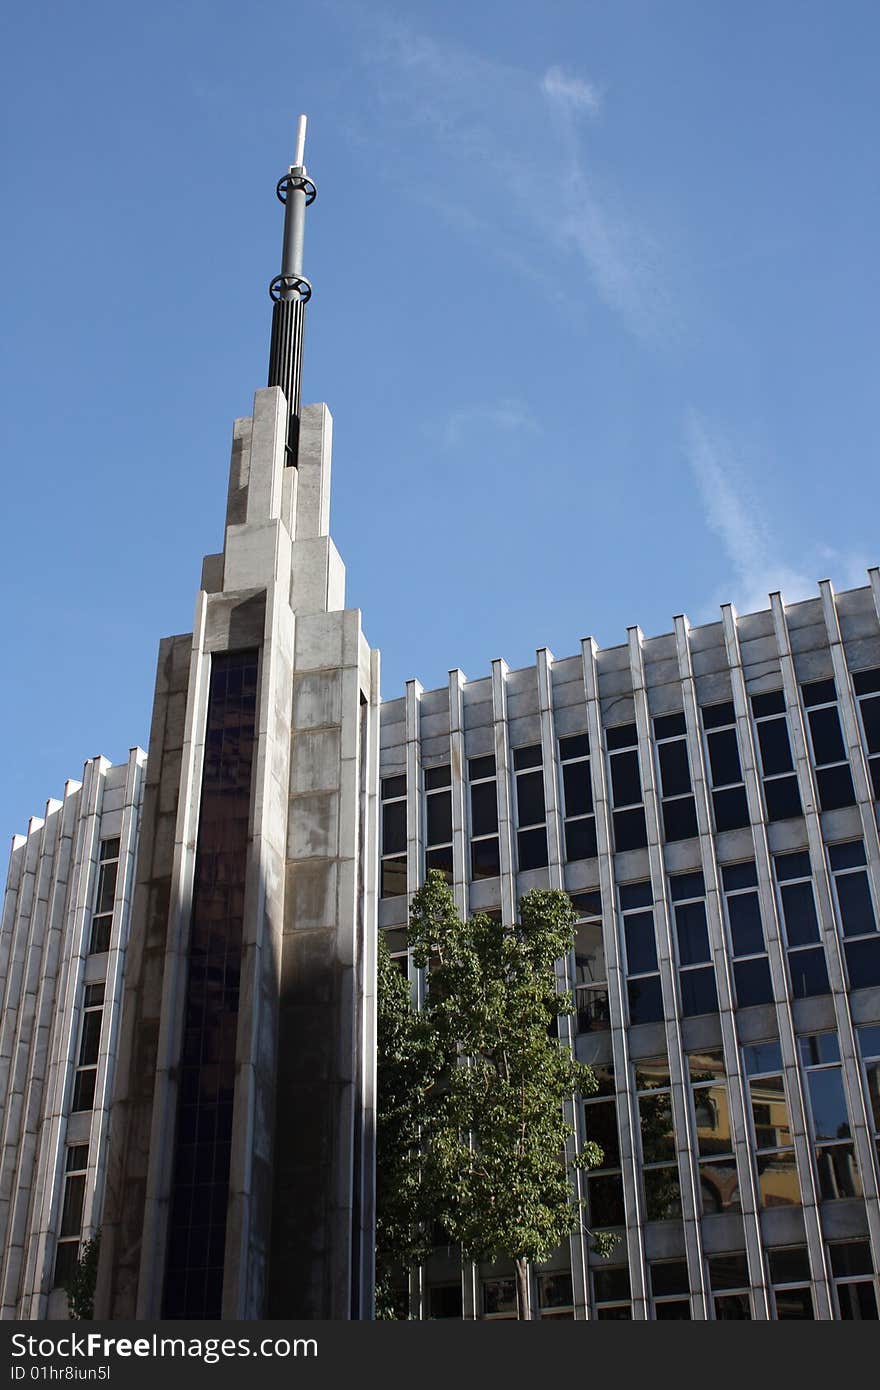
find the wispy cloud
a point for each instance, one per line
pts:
(737, 516)
(571, 91)
(510, 146)
(508, 416)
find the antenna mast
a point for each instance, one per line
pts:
(290, 290)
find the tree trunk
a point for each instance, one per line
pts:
(523, 1295)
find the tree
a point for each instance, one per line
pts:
(80, 1286)
(405, 1073)
(487, 1149)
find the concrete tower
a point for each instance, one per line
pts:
(243, 1107)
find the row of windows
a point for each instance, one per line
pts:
(729, 803)
(854, 1282)
(770, 1140)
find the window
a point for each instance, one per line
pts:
(855, 912)
(577, 796)
(531, 813)
(393, 874)
(751, 969)
(832, 1137)
(670, 1288)
(833, 775)
(806, 958)
(867, 687)
(438, 820)
(729, 1282)
(72, 1201)
(659, 1165)
(590, 975)
(719, 1186)
(640, 952)
(604, 1182)
(444, 1301)
(679, 810)
(855, 1284)
(485, 854)
(499, 1298)
(102, 920)
(790, 1277)
(395, 940)
(696, 974)
(89, 1045)
(630, 831)
(774, 1152)
(868, 1039)
(725, 770)
(781, 795)
(555, 1294)
(611, 1295)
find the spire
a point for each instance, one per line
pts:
(290, 290)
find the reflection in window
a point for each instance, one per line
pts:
(604, 1182)
(855, 913)
(781, 795)
(833, 776)
(677, 801)
(611, 1294)
(751, 969)
(499, 1298)
(729, 1282)
(728, 792)
(832, 1137)
(659, 1165)
(531, 812)
(719, 1186)
(790, 1277)
(555, 1294)
(868, 1039)
(640, 953)
(393, 866)
(806, 957)
(867, 688)
(696, 975)
(590, 975)
(630, 830)
(577, 797)
(438, 820)
(774, 1152)
(855, 1282)
(670, 1290)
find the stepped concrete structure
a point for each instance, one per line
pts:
(187, 950)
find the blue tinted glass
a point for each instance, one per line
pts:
(848, 855)
(762, 1057)
(828, 1104)
(739, 875)
(799, 910)
(854, 900)
(753, 982)
(692, 933)
(818, 1047)
(635, 895)
(645, 1000)
(641, 950)
(745, 924)
(809, 974)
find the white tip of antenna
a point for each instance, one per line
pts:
(299, 156)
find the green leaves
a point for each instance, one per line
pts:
(472, 1090)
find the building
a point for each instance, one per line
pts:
(707, 797)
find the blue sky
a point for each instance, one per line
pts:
(595, 309)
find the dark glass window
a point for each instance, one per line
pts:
(724, 761)
(576, 746)
(485, 858)
(207, 1072)
(630, 830)
(675, 773)
(645, 999)
(625, 781)
(444, 1301)
(692, 933)
(580, 838)
(530, 798)
(679, 819)
(715, 716)
(484, 808)
(783, 798)
(746, 931)
(532, 848)
(439, 826)
(641, 949)
(437, 777)
(826, 737)
(605, 1200)
(576, 785)
(753, 982)
(394, 827)
(527, 757)
(775, 747)
(478, 768)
